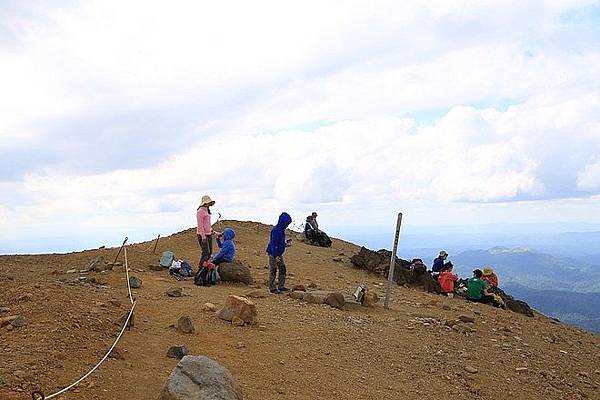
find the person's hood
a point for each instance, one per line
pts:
(228, 234)
(284, 220)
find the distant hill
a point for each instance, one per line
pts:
(581, 309)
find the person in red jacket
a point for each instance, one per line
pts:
(446, 280)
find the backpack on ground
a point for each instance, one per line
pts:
(181, 268)
(207, 275)
(167, 258)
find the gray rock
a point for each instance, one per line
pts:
(19, 322)
(336, 300)
(135, 282)
(235, 272)
(4, 310)
(97, 264)
(200, 378)
(185, 325)
(174, 292)
(466, 318)
(177, 352)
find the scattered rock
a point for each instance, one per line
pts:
(8, 320)
(71, 271)
(466, 318)
(240, 307)
(97, 264)
(19, 322)
(174, 292)
(177, 352)
(521, 369)
(4, 310)
(338, 259)
(185, 325)
(296, 295)
(115, 302)
(25, 297)
(313, 298)
(135, 282)
(336, 300)
(312, 285)
(209, 307)
(117, 354)
(470, 369)
(299, 288)
(257, 294)
(201, 378)
(121, 320)
(235, 272)
(154, 267)
(369, 299)
(237, 321)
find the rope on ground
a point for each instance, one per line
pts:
(37, 395)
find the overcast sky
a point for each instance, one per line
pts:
(117, 116)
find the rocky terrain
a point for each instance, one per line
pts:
(58, 322)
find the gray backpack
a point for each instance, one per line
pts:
(166, 259)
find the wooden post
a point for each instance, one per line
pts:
(155, 244)
(121, 248)
(386, 303)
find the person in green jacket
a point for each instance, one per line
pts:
(477, 289)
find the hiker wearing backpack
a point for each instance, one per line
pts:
(204, 230)
(227, 246)
(275, 250)
(490, 277)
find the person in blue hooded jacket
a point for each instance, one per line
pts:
(275, 250)
(227, 246)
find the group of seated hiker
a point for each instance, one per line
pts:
(313, 234)
(479, 288)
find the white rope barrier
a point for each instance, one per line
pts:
(37, 395)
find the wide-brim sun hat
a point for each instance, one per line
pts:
(488, 271)
(207, 201)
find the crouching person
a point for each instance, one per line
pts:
(447, 280)
(227, 246)
(275, 250)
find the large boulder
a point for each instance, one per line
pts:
(200, 378)
(97, 264)
(235, 271)
(240, 307)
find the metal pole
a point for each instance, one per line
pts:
(155, 244)
(386, 303)
(119, 253)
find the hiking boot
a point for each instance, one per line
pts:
(275, 291)
(284, 289)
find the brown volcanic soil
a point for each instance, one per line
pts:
(302, 351)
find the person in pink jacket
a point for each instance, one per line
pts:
(204, 230)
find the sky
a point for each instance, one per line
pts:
(117, 116)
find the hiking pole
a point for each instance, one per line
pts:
(121, 248)
(220, 223)
(155, 244)
(386, 303)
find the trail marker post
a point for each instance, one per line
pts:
(120, 249)
(388, 290)
(155, 244)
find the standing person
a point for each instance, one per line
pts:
(490, 277)
(275, 250)
(204, 230)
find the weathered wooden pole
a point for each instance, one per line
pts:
(388, 290)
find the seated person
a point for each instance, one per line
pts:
(439, 263)
(446, 280)
(490, 277)
(227, 246)
(477, 289)
(309, 230)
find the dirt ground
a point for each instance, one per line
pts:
(297, 351)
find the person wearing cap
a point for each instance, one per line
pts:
(490, 277)
(275, 250)
(313, 221)
(204, 230)
(439, 263)
(477, 289)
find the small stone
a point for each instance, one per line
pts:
(4, 310)
(299, 288)
(257, 294)
(470, 369)
(154, 267)
(114, 302)
(296, 295)
(312, 285)
(174, 292)
(466, 318)
(338, 259)
(313, 298)
(19, 322)
(240, 307)
(8, 320)
(209, 307)
(369, 299)
(25, 297)
(237, 321)
(521, 369)
(240, 345)
(135, 282)
(97, 264)
(262, 328)
(185, 325)
(177, 352)
(116, 354)
(71, 271)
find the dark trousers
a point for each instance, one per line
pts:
(276, 264)
(206, 247)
